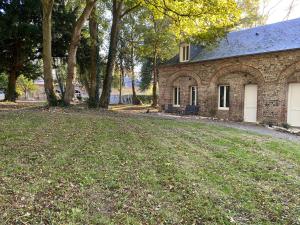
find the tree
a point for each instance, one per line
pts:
(130, 40)
(84, 60)
(94, 52)
(121, 67)
(25, 85)
(117, 10)
(159, 44)
(252, 15)
(69, 93)
(146, 74)
(60, 74)
(90, 65)
(121, 81)
(47, 51)
(63, 19)
(20, 36)
(3, 82)
(197, 21)
(290, 9)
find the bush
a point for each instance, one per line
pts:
(146, 99)
(286, 126)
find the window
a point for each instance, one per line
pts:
(224, 97)
(193, 95)
(176, 96)
(184, 53)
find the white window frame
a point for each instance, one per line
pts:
(191, 95)
(183, 48)
(225, 97)
(176, 102)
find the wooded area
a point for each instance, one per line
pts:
(96, 42)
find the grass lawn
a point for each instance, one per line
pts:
(109, 168)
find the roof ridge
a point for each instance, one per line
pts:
(265, 25)
(276, 37)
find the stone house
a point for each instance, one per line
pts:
(251, 75)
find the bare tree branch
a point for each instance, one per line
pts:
(290, 9)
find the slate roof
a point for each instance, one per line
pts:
(263, 39)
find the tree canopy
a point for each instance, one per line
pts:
(20, 41)
(151, 31)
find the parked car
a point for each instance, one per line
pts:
(2, 95)
(78, 94)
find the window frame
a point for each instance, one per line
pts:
(225, 107)
(185, 52)
(176, 99)
(191, 95)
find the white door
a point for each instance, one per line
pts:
(250, 103)
(294, 105)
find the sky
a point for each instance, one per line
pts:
(279, 8)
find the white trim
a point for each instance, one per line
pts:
(289, 103)
(187, 57)
(250, 110)
(177, 96)
(225, 97)
(224, 108)
(290, 120)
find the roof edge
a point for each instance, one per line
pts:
(231, 57)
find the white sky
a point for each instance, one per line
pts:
(278, 10)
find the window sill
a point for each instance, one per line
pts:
(184, 61)
(224, 109)
(177, 106)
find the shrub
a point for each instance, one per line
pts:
(286, 126)
(146, 99)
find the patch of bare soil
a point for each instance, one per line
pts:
(7, 106)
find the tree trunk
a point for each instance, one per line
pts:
(93, 29)
(47, 52)
(111, 60)
(98, 79)
(71, 71)
(59, 76)
(25, 93)
(11, 94)
(121, 80)
(135, 100)
(155, 78)
(60, 83)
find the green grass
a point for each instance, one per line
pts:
(109, 168)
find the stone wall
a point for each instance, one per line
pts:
(272, 73)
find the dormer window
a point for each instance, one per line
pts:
(184, 52)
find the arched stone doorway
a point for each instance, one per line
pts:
(184, 82)
(229, 85)
(289, 83)
(182, 88)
